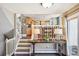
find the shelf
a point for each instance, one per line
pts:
(44, 30)
(48, 25)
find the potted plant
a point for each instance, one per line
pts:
(46, 37)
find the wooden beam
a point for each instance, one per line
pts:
(71, 11)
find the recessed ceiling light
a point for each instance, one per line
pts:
(46, 5)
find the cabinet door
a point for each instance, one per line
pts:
(45, 48)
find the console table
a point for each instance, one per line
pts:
(59, 46)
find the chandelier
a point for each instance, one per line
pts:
(46, 5)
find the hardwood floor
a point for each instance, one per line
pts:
(40, 54)
(47, 54)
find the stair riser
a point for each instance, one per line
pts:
(23, 50)
(22, 54)
(24, 46)
(22, 41)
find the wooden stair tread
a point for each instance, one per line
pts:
(22, 41)
(24, 46)
(23, 50)
(25, 40)
(21, 54)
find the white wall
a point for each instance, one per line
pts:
(10, 42)
(9, 15)
(5, 26)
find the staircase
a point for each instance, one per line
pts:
(23, 48)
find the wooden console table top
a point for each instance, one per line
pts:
(36, 41)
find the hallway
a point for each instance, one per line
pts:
(33, 29)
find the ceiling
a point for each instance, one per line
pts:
(36, 8)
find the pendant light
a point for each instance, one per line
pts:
(46, 5)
